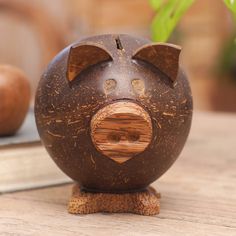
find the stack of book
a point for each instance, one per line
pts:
(24, 162)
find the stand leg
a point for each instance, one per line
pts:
(145, 202)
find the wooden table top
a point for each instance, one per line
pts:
(198, 195)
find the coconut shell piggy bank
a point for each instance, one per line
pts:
(114, 112)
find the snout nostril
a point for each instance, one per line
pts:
(133, 137)
(113, 137)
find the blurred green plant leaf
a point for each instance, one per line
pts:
(168, 14)
(156, 4)
(231, 5)
(227, 61)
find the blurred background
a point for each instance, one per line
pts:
(33, 32)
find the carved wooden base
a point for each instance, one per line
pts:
(145, 202)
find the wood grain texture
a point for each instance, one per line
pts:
(82, 56)
(163, 56)
(198, 195)
(121, 130)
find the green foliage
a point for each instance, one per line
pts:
(226, 66)
(156, 4)
(228, 59)
(231, 4)
(168, 14)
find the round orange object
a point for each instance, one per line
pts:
(14, 99)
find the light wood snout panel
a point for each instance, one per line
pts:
(121, 130)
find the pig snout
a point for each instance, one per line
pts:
(121, 130)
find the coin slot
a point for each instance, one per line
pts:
(118, 44)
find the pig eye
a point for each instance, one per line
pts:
(109, 85)
(138, 86)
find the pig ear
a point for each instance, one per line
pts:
(163, 56)
(82, 56)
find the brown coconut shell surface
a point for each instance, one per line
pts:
(97, 94)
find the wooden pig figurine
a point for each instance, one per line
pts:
(114, 112)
